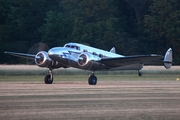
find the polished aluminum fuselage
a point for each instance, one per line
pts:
(68, 55)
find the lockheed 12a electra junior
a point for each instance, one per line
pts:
(93, 59)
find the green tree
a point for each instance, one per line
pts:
(162, 26)
(95, 22)
(57, 29)
(19, 23)
(139, 9)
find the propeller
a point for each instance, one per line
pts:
(35, 49)
(82, 60)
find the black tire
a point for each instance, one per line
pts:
(92, 80)
(48, 79)
(140, 73)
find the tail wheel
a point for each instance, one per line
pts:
(92, 80)
(48, 79)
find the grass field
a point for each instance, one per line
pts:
(32, 73)
(16, 70)
(117, 95)
(84, 78)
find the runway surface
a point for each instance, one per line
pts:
(125, 100)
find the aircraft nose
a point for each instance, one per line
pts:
(56, 53)
(51, 52)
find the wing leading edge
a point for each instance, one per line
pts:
(30, 56)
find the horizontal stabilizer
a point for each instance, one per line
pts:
(168, 59)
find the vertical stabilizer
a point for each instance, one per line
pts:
(168, 59)
(113, 50)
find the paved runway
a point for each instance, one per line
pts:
(126, 100)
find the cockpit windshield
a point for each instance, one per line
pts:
(72, 46)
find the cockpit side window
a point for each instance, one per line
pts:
(75, 47)
(67, 46)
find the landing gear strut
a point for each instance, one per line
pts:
(139, 73)
(49, 77)
(92, 80)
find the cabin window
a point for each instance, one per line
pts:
(85, 50)
(100, 55)
(94, 53)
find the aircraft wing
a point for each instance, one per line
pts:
(151, 59)
(30, 56)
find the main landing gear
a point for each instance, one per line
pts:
(92, 80)
(49, 77)
(139, 73)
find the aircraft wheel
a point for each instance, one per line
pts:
(48, 79)
(139, 73)
(92, 80)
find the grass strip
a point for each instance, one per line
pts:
(101, 78)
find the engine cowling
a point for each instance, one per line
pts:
(42, 59)
(85, 60)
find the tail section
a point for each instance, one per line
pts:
(168, 59)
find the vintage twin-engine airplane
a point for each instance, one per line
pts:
(90, 58)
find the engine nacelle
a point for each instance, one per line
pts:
(42, 59)
(85, 60)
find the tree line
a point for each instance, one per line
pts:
(131, 26)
